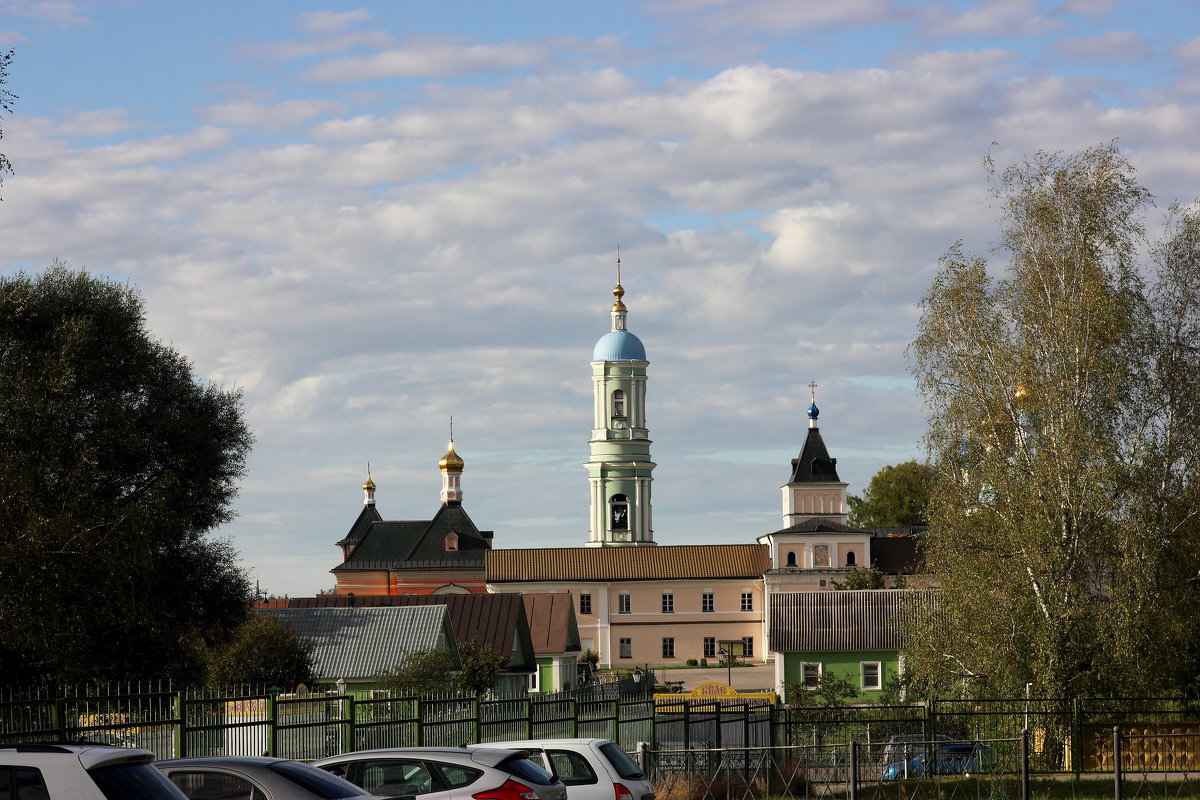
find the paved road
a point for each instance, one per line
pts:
(745, 679)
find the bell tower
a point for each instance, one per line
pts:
(619, 470)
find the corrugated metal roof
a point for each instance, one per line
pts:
(497, 620)
(664, 562)
(839, 621)
(362, 642)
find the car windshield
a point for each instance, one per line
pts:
(134, 782)
(522, 767)
(621, 762)
(317, 781)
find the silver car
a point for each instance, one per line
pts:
(254, 778)
(447, 773)
(591, 769)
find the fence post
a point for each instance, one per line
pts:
(853, 770)
(644, 758)
(575, 717)
(1077, 738)
(529, 717)
(272, 722)
(477, 736)
(58, 718)
(616, 721)
(687, 727)
(179, 745)
(1118, 787)
(1024, 764)
(349, 715)
(419, 737)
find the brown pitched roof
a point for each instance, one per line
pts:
(552, 624)
(664, 562)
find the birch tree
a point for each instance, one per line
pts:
(1062, 405)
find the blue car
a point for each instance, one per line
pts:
(944, 758)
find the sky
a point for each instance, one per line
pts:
(371, 217)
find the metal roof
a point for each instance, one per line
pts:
(846, 620)
(363, 642)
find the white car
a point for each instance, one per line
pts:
(446, 773)
(591, 769)
(81, 772)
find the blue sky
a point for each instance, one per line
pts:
(372, 216)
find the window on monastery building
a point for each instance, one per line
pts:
(791, 559)
(748, 646)
(706, 602)
(810, 674)
(585, 603)
(710, 647)
(623, 603)
(451, 541)
(747, 601)
(668, 650)
(618, 404)
(870, 675)
(851, 559)
(618, 512)
(625, 646)
(668, 603)
(820, 555)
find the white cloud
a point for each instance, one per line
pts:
(330, 21)
(428, 59)
(989, 18)
(58, 12)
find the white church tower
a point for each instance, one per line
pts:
(619, 468)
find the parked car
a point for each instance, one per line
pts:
(943, 758)
(447, 773)
(591, 769)
(81, 772)
(255, 778)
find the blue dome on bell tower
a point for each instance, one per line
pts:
(619, 346)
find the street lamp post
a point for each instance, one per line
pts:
(730, 650)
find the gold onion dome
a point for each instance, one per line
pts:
(369, 485)
(618, 293)
(451, 462)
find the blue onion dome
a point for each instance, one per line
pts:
(813, 411)
(619, 346)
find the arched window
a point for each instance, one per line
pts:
(451, 541)
(820, 555)
(851, 559)
(618, 512)
(791, 560)
(618, 404)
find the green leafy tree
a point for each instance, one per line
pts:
(896, 497)
(262, 651)
(115, 464)
(421, 672)
(481, 667)
(1064, 428)
(831, 691)
(863, 578)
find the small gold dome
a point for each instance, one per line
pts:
(618, 293)
(369, 486)
(451, 462)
